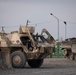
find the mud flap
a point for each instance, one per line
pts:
(5, 60)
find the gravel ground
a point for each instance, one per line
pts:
(51, 66)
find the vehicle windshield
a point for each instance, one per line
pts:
(39, 38)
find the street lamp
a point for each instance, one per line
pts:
(65, 29)
(58, 24)
(58, 33)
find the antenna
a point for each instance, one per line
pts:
(2, 29)
(27, 22)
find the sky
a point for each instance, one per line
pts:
(14, 13)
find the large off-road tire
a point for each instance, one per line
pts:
(71, 56)
(65, 53)
(18, 59)
(36, 63)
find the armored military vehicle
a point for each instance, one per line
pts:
(69, 48)
(24, 46)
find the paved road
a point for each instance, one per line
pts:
(53, 66)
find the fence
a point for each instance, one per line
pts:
(58, 53)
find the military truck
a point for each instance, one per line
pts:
(19, 47)
(69, 48)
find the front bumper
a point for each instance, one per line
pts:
(40, 53)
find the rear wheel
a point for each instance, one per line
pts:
(18, 59)
(36, 63)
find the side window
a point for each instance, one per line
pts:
(24, 40)
(45, 35)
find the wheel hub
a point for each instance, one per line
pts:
(16, 59)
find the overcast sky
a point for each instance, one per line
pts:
(14, 13)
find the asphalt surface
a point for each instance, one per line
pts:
(51, 66)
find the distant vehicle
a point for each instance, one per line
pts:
(24, 46)
(69, 48)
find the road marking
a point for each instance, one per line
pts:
(41, 72)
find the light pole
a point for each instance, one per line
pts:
(58, 33)
(57, 23)
(65, 29)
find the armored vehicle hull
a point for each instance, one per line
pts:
(24, 46)
(69, 48)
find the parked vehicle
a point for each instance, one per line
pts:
(69, 48)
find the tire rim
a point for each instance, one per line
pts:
(16, 59)
(71, 56)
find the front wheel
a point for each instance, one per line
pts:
(18, 59)
(65, 53)
(71, 56)
(35, 63)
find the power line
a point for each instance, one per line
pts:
(71, 22)
(38, 24)
(53, 21)
(68, 22)
(29, 24)
(44, 22)
(9, 26)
